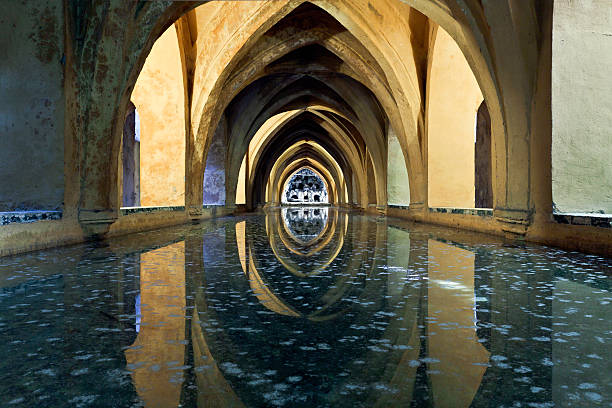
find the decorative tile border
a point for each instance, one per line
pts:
(23, 217)
(480, 212)
(585, 219)
(139, 210)
(152, 209)
(401, 207)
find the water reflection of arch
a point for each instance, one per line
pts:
(329, 302)
(352, 261)
(219, 349)
(322, 212)
(231, 357)
(321, 251)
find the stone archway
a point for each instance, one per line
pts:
(94, 192)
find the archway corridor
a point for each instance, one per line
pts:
(304, 203)
(192, 110)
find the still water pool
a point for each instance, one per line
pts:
(305, 307)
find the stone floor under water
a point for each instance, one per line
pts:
(305, 307)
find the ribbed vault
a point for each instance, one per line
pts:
(303, 93)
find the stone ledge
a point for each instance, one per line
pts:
(24, 217)
(584, 219)
(480, 212)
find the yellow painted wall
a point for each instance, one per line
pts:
(160, 102)
(241, 188)
(453, 100)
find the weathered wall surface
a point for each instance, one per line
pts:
(32, 105)
(453, 100)
(160, 100)
(581, 107)
(214, 174)
(398, 187)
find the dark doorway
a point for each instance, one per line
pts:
(130, 157)
(482, 160)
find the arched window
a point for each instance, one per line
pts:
(453, 100)
(159, 97)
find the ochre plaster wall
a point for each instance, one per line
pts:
(581, 108)
(31, 105)
(160, 102)
(398, 187)
(453, 100)
(241, 187)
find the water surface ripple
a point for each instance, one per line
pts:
(305, 307)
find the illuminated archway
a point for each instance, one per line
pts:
(305, 186)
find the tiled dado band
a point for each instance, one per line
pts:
(23, 217)
(140, 210)
(481, 212)
(585, 219)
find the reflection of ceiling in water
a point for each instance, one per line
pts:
(389, 322)
(347, 315)
(312, 257)
(303, 223)
(274, 261)
(393, 320)
(409, 319)
(351, 303)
